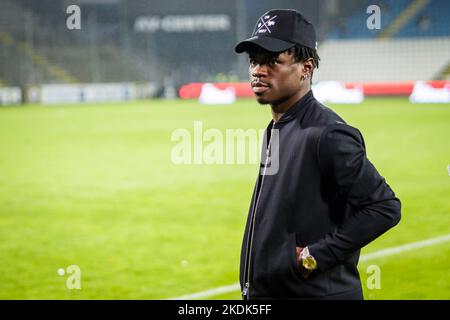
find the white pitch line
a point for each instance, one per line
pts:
(211, 292)
(364, 257)
(405, 247)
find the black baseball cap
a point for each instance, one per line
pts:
(278, 30)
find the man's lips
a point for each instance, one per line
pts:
(259, 87)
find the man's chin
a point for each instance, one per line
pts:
(261, 100)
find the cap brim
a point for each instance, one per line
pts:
(267, 43)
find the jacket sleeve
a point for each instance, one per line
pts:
(375, 209)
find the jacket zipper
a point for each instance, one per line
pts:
(248, 256)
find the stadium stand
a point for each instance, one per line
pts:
(353, 27)
(402, 18)
(36, 48)
(387, 60)
(44, 52)
(395, 52)
(431, 21)
(410, 11)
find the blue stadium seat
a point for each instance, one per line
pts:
(355, 27)
(432, 21)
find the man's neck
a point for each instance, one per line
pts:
(276, 116)
(279, 109)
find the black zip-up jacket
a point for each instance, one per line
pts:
(325, 195)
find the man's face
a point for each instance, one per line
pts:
(274, 77)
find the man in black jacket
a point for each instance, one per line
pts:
(318, 200)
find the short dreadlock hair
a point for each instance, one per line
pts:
(302, 53)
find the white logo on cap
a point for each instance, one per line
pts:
(265, 23)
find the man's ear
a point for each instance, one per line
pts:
(308, 67)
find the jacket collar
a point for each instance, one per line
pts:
(298, 108)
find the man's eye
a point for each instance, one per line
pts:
(273, 62)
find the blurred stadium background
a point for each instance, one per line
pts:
(86, 118)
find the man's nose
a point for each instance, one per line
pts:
(258, 70)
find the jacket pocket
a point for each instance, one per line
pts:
(293, 258)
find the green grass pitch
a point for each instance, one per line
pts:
(94, 186)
